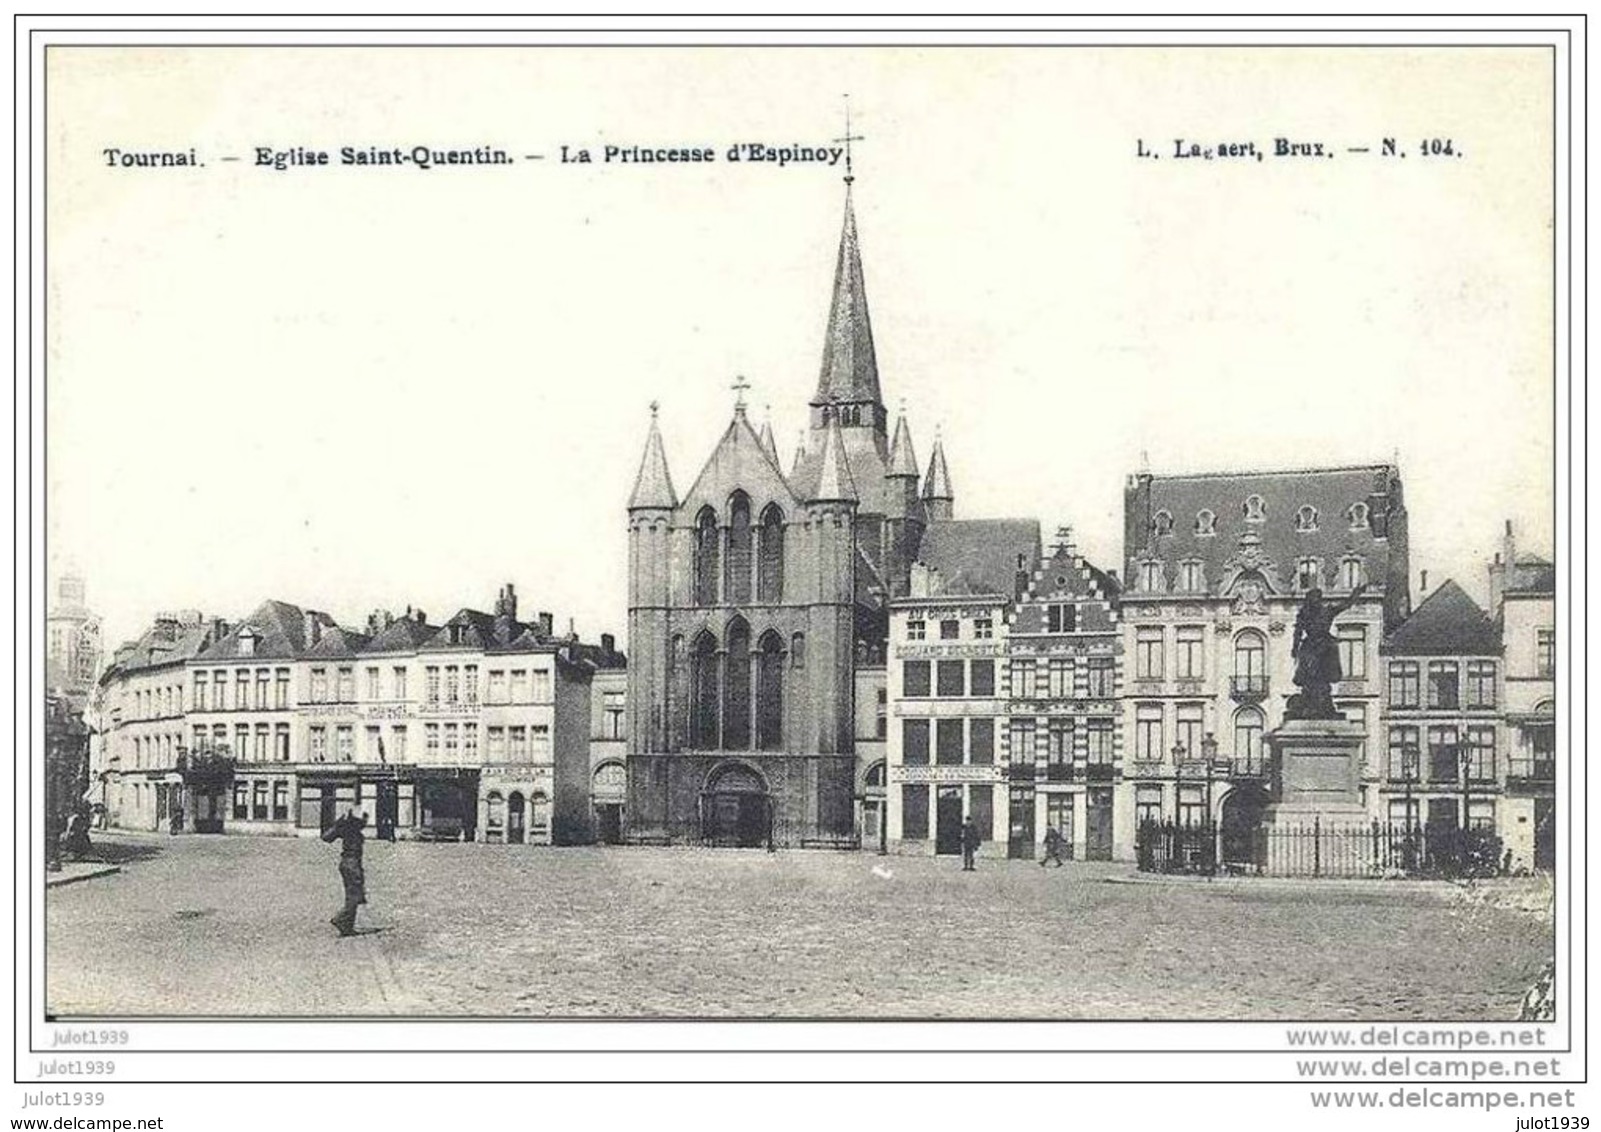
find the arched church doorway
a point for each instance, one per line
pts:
(1242, 808)
(735, 809)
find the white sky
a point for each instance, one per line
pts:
(355, 388)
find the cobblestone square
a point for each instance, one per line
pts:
(230, 926)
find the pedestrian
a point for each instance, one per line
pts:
(78, 843)
(348, 831)
(1053, 847)
(970, 842)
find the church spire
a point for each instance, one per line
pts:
(835, 484)
(800, 456)
(769, 446)
(937, 493)
(653, 487)
(850, 368)
(902, 460)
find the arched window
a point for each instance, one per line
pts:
(736, 694)
(797, 651)
(707, 537)
(1250, 661)
(739, 549)
(1205, 523)
(1308, 573)
(1255, 510)
(770, 693)
(1162, 523)
(1248, 737)
(703, 694)
(875, 777)
(770, 568)
(1350, 573)
(1306, 518)
(1358, 514)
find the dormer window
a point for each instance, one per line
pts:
(1306, 573)
(1306, 519)
(1255, 510)
(247, 642)
(1350, 573)
(1162, 523)
(1358, 514)
(1151, 577)
(1205, 523)
(1190, 580)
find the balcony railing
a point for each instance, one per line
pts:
(1249, 689)
(1248, 766)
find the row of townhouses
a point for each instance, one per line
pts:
(828, 655)
(482, 727)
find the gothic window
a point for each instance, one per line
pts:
(1162, 523)
(739, 549)
(703, 694)
(736, 695)
(770, 568)
(1306, 518)
(797, 651)
(1255, 509)
(770, 693)
(1205, 523)
(706, 554)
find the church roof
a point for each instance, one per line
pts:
(902, 459)
(938, 483)
(833, 475)
(850, 368)
(653, 486)
(800, 459)
(980, 556)
(1447, 623)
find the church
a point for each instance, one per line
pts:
(758, 607)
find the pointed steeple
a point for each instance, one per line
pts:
(768, 444)
(937, 493)
(902, 460)
(850, 368)
(800, 456)
(653, 487)
(835, 484)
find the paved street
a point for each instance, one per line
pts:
(238, 926)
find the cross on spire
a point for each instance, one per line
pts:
(739, 387)
(849, 137)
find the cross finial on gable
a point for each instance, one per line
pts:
(739, 387)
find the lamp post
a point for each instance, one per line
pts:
(1464, 755)
(1209, 754)
(1409, 768)
(1181, 843)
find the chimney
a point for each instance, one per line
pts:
(219, 628)
(1423, 584)
(547, 625)
(506, 602)
(166, 627)
(313, 626)
(420, 616)
(608, 644)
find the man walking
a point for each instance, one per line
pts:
(1054, 844)
(348, 831)
(970, 842)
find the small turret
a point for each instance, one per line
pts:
(835, 483)
(938, 497)
(653, 487)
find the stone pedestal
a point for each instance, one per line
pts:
(1317, 773)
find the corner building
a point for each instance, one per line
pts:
(758, 610)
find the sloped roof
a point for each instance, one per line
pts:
(902, 457)
(337, 641)
(833, 479)
(484, 632)
(768, 443)
(1447, 623)
(1332, 492)
(1067, 573)
(279, 628)
(1531, 575)
(742, 461)
(980, 556)
(403, 634)
(152, 650)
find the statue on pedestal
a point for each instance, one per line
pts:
(1317, 656)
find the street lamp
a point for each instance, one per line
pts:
(1209, 753)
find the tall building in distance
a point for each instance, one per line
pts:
(758, 606)
(73, 649)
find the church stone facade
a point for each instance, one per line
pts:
(758, 603)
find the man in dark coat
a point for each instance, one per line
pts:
(970, 841)
(1054, 844)
(348, 831)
